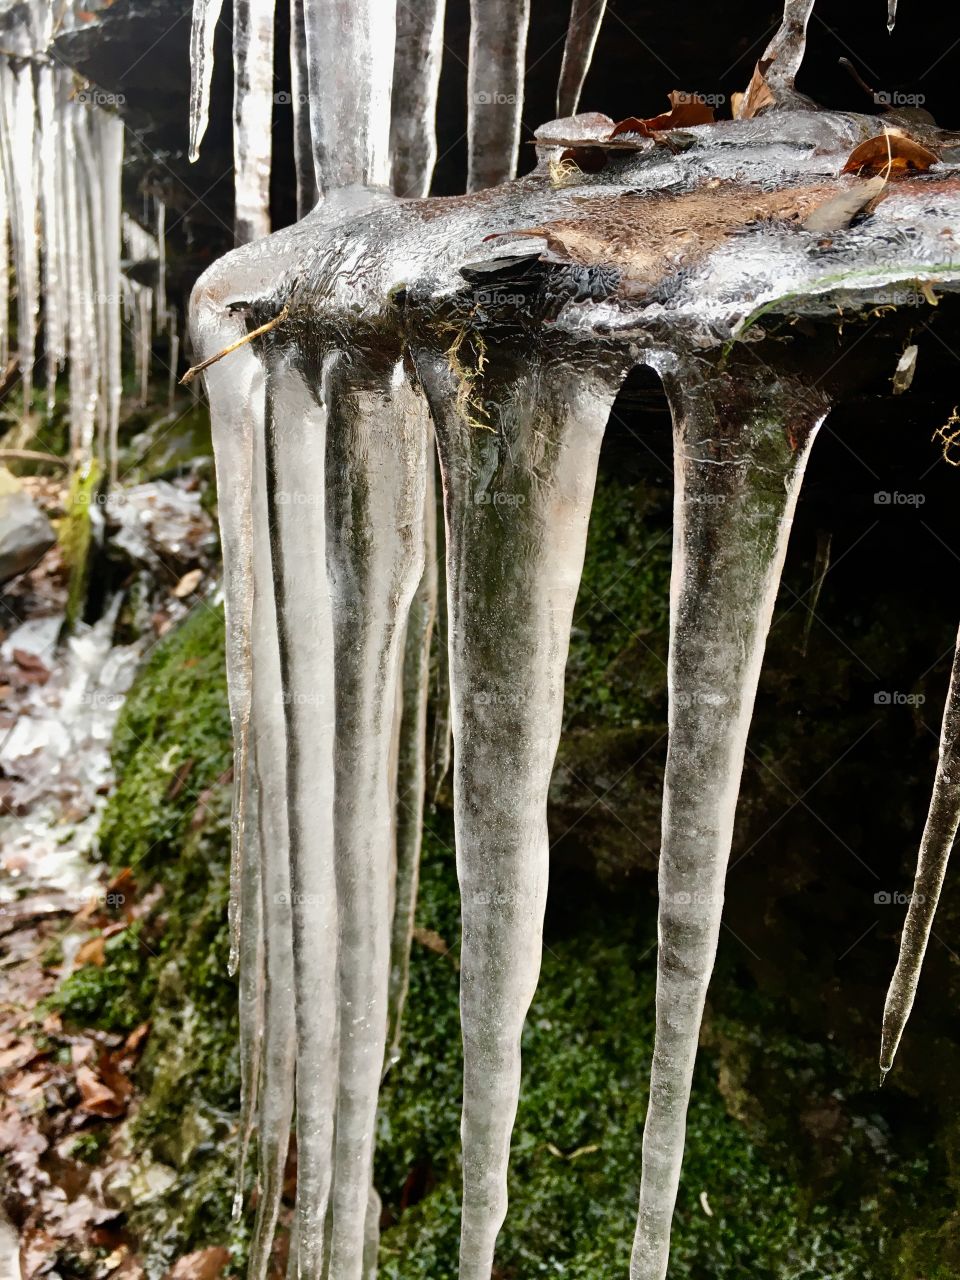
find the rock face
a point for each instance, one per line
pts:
(25, 532)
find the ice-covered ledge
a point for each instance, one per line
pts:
(503, 323)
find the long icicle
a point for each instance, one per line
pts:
(518, 502)
(296, 433)
(939, 833)
(586, 18)
(252, 117)
(250, 986)
(416, 80)
(268, 734)
(303, 159)
(412, 766)
(20, 170)
(206, 15)
(498, 48)
(350, 50)
(296, 430)
(376, 460)
(237, 410)
(740, 449)
(785, 51)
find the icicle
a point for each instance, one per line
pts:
(376, 459)
(252, 117)
(4, 273)
(54, 335)
(296, 433)
(891, 15)
(161, 293)
(18, 130)
(441, 743)
(350, 49)
(785, 51)
(307, 193)
(144, 348)
(586, 18)
(206, 15)
(939, 833)
(173, 338)
(498, 47)
(110, 151)
(517, 505)
(416, 79)
(268, 733)
(820, 570)
(251, 985)
(740, 449)
(411, 771)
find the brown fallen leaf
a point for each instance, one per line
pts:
(205, 1264)
(891, 154)
(188, 584)
(758, 96)
(99, 1098)
(93, 951)
(686, 110)
(135, 1039)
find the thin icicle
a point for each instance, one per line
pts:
(4, 274)
(173, 338)
(110, 137)
(296, 434)
(161, 294)
(376, 458)
(252, 117)
(206, 15)
(411, 770)
(251, 987)
(54, 299)
(586, 18)
(416, 80)
(740, 450)
(350, 50)
(785, 51)
(939, 834)
(517, 506)
(18, 131)
(268, 735)
(891, 15)
(306, 169)
(498, 48)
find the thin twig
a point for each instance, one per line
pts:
(255, 333)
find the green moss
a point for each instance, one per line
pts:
(75, 535)
(90, 1145)
(115, 996)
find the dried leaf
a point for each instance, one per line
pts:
(836, 214)
(686, 110)
(758, 97)
(99, 1098)
(93, 952)
(205, 1264)
(891, 154)
(135, 1039)
(905, 370)
(188, 584)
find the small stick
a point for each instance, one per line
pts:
(255, 333)
(31, 455)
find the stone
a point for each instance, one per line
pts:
(25, 532)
